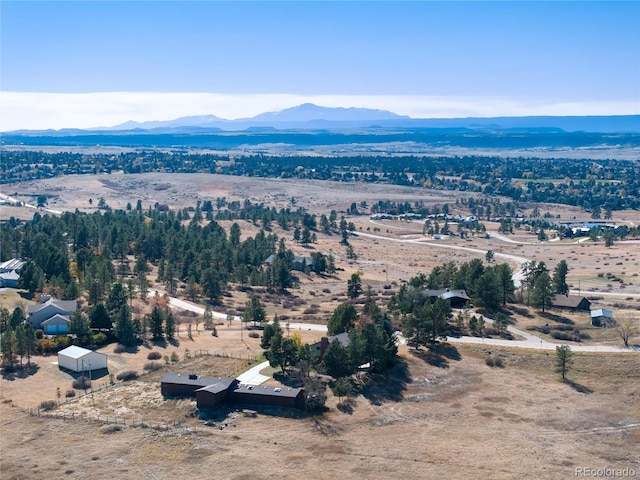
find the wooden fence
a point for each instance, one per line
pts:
(113, 420)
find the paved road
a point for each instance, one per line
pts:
(517, 276)
(530, 341)
(24, 204)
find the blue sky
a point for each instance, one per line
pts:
(88, 63)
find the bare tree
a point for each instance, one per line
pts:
(626, 329)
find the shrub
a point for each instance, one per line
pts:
(39, 334)
(120, 348)
(81, 383)
(127, 375)
(110, 429)
(254, 334)
(99, 338)
(558, 335)
(48, 405)
(70, 394)
(153, 366)
(154, 356)
(495, 361)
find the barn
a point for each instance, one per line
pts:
(78, 359)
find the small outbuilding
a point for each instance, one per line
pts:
(601, 317)
(78, 359)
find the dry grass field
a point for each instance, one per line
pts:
(438, 415)
(460, 419)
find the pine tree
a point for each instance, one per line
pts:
(543, 291)
(155, 323)
(169, 324)
(560, 286)
(125, 328)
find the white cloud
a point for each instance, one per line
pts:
(25, 110)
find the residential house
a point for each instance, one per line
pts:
(320, 347)
(302, 263)
(10, 272)
(214, 391)
(37, 314)
(56, 325)
(456, 298)
(572, 302)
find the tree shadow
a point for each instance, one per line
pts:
(346, 406)
(388, 385)
(160, 343)
(578, 387)
(26, 295)
(438, 354)
(16, 372)
(557, 318)
(289, 380)
(522, 311)
(174, 342)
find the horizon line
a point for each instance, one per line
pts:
(94, 110)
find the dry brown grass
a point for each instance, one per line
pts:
(459, 419)
(464, 421)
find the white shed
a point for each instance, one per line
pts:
(78, 359)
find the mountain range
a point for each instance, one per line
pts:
(309, 116)
(313, 117)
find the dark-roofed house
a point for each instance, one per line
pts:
(213, 391)
(267, 395)
(216, 393)
(301, 263)
(572, 302)
(179, 384)
(456, 298)
(320, 347)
